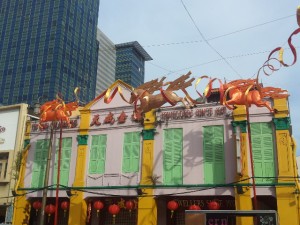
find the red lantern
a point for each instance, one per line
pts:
(213, 205)
(98, 205)
(172, 205)
(194, 207)
(114, 210)
(129, 205)
(37, 205)
(65, 206)
(49, 209)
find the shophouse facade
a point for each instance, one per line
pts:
(12, 127)
(190, 156)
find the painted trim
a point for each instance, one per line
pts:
(148, 134)
(282, 123)
(242, 124)
(82, 139)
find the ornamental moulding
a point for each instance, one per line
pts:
(282, 123)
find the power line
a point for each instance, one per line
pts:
(215, 60)
(206, 41)
(209, 39)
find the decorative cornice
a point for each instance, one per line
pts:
(282, 123)
(148, 134)
(242, 124)
(82, 139)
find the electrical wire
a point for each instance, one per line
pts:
(161, 195)
(206, 41)
(209, 39)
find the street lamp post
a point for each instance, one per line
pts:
(45, 188)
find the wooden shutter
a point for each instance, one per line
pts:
(131, 152)
(65, 161)
(213, 152)
(98, 154)
(39, 164)
(263, 152)
(172, 148)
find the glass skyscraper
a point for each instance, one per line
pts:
(47, 47)
(130, 65)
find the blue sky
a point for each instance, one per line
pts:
(165, 30)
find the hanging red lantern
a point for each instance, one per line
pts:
(172, 205)
(49, 209)
(213, 205)
(65, 206)
(194, 207)
(114, 210)
(129, 206)
(98, 205)
(37, 205)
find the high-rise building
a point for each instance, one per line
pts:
(47, 47)
(130, 66)
(106, 62)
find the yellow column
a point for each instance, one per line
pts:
(287, 202)
(243, 199)
(147, 209)
(78, 206)
(21, 204)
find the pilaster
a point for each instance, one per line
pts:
(287, 202)
(78, 206)
(147, 208)
(243, 199)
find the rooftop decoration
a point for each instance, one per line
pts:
(58, 110)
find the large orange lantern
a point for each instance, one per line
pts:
(214, 205)
(172, 205)
(37, 205)
(194, 207)
(98, 205)
(49, 209)
(114, 210)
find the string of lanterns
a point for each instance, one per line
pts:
(50, 208)
(212, 205)
(113, 209)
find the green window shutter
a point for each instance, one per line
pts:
(263, 152)
(39, 164)
(131, 152)
(66, 149)
(98, 154)
(172, 158)
(213, 152)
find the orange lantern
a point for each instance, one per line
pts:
(49, 209)
(37, 205)
(172, 205)
(129, 205)
(214, 205)
(114, 210)
(194, 207)
(65, 206)
(98, 205)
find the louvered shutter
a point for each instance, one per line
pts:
(131, 152)
(263, 152)
(213, 152)
(39, 164)
(98, 154)
(168, 156)
(66, 149)
(101, 154)
(219, 162)
(135, 156)
(177, 156)
(172, 157)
